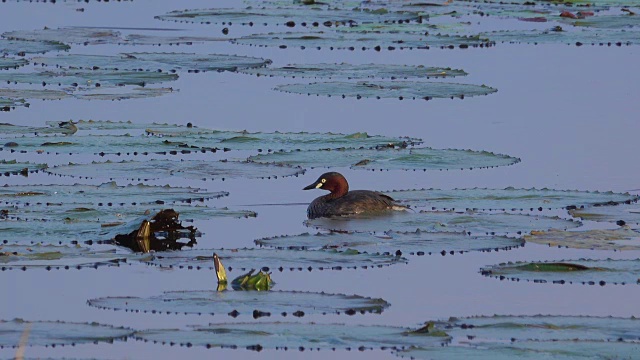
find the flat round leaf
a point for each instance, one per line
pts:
(361, 40)
(413, 243)
(103, 126)
(618, 239)
(58, 257)
(154, 62)
(389, 159)
(594, 37)
(34, 94)
(506, 199)
(34, 231)
(620, 214)
(581, 271)
(81, 78)
(247, 259)
(49, 333)
(16, 47)
(389, 89)
(189, 169)
(13, 167)
(59, 128)
(12, 63)
(123, 94)
(283, 336)
(472, 222)
(244, 303)
(8, 104)
(349, 71)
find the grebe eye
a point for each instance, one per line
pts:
(324, 180)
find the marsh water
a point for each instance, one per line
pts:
(569, 113)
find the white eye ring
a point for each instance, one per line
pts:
(324, 180)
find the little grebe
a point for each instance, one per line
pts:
(342, 202)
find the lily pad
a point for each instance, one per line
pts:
(11, 63)
(413, 243)
(23, 47)
(126, 94)
(53, 333)
(234, 303)
(57, 257)
(8, 104)
(109, 125)
(13, 167)
(33, 94)
(289, 16)
(62, 128)
(88, 78)
(389, 89)
(568, 271)
(389, 159)
(507, 199)
(349, 71)
(284, 336)
(361, 40)
(559, 36)
(107, 194)
(618, 239)
(272, 259)
(154, 62)
(621, 214)
(35, 231)
(471, 222)
(189, 169)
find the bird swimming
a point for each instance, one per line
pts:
(341, 202)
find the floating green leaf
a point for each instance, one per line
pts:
(559, 36)
(279, 335)
(34, 231)
(20, 47)
(58, 257)
(13, 167)
(620, 214)
(189, 169)
(11, 63)
(349, 71)
(235, 303)
(88, 78)
(8, 104)
(361, 40)
(291, 16)
(617, 22)
(108, 125)
(272, 259)
(389, 159)
(568, 271)
(472, 222)
(126, 94)
(507, 199)
(154, 62)
(618, 239)
(413, 243)
(33, 94)
(50, 333)
(62, 128)
(389, 89)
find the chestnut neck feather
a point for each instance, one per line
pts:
(338, 187)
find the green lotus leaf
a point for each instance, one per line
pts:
(154, 62)
(33, 94)
(58, 257)
(618, 239)
(19, 47)
(108, 125)
(8, 104)
(13, 167)
(529, 349)
(349, 71)
(244, 302)
(62, 128)
(292, 16)
(106, 144)
(159, 40)
(389, 89)
(617, 22)
(622, 214)
(471, 222)
(361, 40)
(389, 159)
(506, 199)
(125, 94)
(50, 333)
(599, 37)
(280, 335)
(188, 169)
(272, 259)
(88, 78)
(107, 194)
(12, 63)
(33, 231)
(568, 271)
(413, 243)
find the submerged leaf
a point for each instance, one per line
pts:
(507, 199)
(620, 214)
(569, 271)
(271, 259)
(189, 169)
(389, 159)
(50, 333)
(236, 303)
(13, 167)
(619, 239)
(389, 89)
(58, 257)
(413, 243)
(470, 222)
